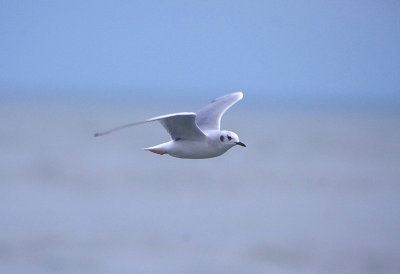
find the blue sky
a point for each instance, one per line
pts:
(281, 49)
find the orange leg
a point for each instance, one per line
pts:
(157, 151)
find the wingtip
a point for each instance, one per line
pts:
(238, 93)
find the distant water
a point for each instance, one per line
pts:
(313, 192)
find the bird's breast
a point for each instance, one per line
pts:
(194, 149)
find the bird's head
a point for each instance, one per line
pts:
(230, 138)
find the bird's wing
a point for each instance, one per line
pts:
(209, 117)
(179, 126)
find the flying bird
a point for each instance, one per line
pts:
(195, 136)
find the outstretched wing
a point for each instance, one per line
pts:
(209, 117)
(179, 126)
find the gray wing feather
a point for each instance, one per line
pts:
(209, 117)
(178, 125)
(181, 126)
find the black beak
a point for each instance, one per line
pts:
(240, 144)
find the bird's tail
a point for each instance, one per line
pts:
(158, 149)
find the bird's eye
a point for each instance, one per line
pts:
(229, 138)
(221, 138)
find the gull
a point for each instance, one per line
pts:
(195, 136)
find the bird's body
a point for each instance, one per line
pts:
(195, 136)
(193, 149)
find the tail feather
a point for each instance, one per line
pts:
(156, 150)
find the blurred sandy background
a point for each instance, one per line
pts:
(314, 191)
